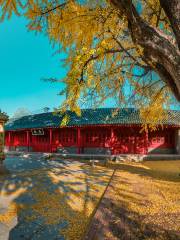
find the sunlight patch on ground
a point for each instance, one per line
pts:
(164, 166)
(166, 170)
(8, 208)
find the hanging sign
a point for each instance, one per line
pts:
(37, 132)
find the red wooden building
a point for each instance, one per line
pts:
(97, 131)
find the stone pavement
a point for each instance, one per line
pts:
(48, 199)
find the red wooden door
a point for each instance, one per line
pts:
(40, 143)
(124, 141)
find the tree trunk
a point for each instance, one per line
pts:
(172, 10)
(159, 51)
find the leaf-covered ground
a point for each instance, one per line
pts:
(49, 199)
(142, 202)
(55, 199)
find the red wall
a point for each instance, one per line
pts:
(130, 140)
(119, 139)
(161, 139)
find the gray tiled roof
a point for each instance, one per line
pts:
(99, 116)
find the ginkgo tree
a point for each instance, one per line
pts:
(127, 50)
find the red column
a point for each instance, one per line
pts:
(9, 138)
(27, 140)
(79, 140)
(112, 140)
(50, 139)
(146, 143)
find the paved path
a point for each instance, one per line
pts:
(48, 199)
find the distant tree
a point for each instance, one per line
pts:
(46, 109)
(122, 49)
(21, 112)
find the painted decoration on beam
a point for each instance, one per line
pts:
(37, 132)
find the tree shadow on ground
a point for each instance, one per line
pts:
(52, 203)
(134, 224)
(123, 215)
(129, 225)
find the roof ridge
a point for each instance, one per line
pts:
(100, 116)
(88, 109)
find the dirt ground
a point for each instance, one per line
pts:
(141, 203)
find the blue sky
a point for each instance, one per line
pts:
(26, 58)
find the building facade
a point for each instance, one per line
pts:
(3, 120)
(99, 131)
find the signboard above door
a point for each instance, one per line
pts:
(37, 132)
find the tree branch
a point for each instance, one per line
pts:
(54, 8)
(94, 57)
(160, 53)
(172, 10)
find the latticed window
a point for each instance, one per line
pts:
(163, 138)
(19, 138)
(94, 136)
(22, 138)
(65, 136)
